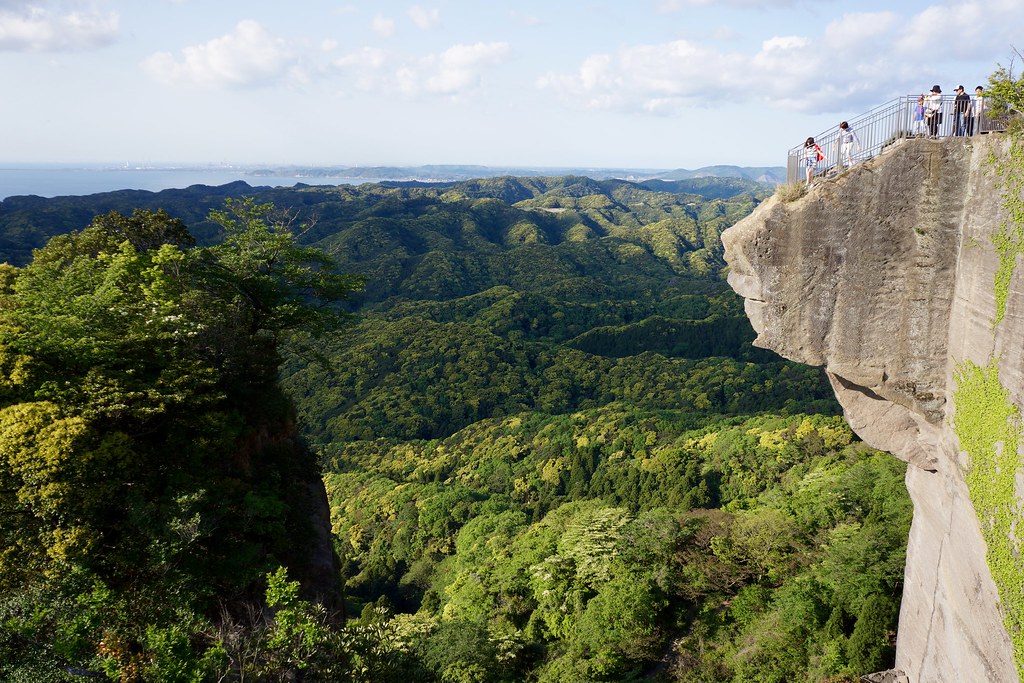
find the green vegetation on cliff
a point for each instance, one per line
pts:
(989, 428)
(1009, 240)
(987, 424)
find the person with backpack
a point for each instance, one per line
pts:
(812, 155)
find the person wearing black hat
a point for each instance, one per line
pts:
(961, 110)
(933, 111)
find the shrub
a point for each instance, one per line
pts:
(790, 192)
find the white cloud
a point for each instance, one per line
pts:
(31, 27)
(383, 26)
(958, 29)
(248, 56)
(460, 67)
(367, 66)
(366, 58)
(857, 61)
(865, 30)
(653, 78)
(424, 19)
(456, 71)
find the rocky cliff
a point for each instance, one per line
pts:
(898, 277)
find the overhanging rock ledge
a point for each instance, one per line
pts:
(885, 277)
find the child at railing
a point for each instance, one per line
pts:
(918, 128)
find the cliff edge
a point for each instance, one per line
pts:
(898, 277)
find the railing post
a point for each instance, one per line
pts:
(792, 168)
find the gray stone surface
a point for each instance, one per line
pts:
(885, 276)
(891, 676)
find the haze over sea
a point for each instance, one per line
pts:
(56, 181)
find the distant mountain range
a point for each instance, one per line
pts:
(770, 175)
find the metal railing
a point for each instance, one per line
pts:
(888, 123)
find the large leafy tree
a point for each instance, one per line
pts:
(146, 450)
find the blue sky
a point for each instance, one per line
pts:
(535, 83)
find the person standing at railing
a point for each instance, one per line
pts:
(812, 155)
(933, 111)
(974, 123)
(847, 139)
(917, 118)
(961, 111)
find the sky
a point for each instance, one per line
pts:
(644, 84)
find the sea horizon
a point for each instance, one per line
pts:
(55, 179)
(63, 180)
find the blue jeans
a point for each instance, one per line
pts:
(959, 123)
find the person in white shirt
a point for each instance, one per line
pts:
(917, 118)
(977, 119)
(933, 111)
(847, 139)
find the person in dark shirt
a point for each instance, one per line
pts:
(961, 110)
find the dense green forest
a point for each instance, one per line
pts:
(550, 450)
(150, 475)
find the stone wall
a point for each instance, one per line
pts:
(885, 276)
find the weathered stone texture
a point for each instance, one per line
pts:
(891, 676)
(885, 276)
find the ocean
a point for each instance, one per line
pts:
(64, 181)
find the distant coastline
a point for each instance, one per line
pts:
(56, 180)
(68, 181)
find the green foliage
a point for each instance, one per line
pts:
(1005, 94)
(553, 452)
(462, 652)
(1009, 240)
(987, 423)
(147, 470)
(871, 645)
(621, 625)
(606, 573)
(988, 426)
(279, 284)
(758, 542)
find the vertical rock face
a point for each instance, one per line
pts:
(885, 277)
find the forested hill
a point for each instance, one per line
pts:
(553, 454)
(27, 222)
(551, 451)
(500, 294)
